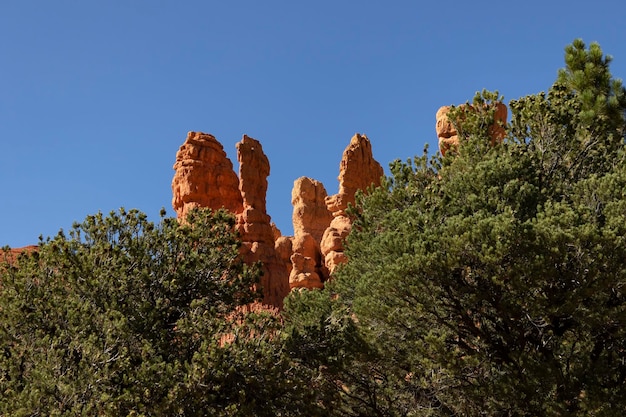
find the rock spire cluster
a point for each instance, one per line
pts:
(205, 177)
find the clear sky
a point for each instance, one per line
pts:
(97, 96)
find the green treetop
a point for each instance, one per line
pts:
(490, 283)
(124, 317)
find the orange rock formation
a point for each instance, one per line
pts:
(358, 170)
(13, 253)
(205, 178)
(310, 220)
(449, 137)
(254, 224)
(310, 214)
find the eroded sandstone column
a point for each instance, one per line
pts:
(204, 177)
(358, 170)
(310, 220)
(254, 223)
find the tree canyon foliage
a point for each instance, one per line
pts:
(489, 282)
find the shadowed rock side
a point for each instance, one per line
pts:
(448, 135)
(205, 178)
(358, 170)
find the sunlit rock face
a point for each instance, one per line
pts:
(205, 177)
(358, 170)
(310, 219)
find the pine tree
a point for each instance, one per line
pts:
(492, 283)
(124, 317)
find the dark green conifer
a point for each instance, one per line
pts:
(126, 318)
(492, 283)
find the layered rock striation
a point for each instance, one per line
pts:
(310, 220)
(254, 224)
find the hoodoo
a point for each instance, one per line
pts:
(205, 178)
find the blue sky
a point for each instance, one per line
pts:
(97, 96)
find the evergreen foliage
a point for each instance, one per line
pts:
(490, 283)
(123, 317)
